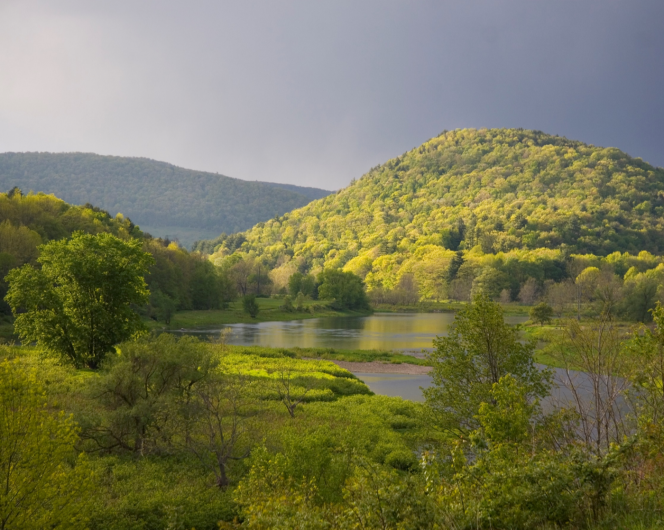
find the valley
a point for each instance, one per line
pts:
(477, 317)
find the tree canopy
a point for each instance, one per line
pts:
(479, 350)
(486, 191)
(78, 305)
(345, 289)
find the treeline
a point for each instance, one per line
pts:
(155, 194)
(629, 286)
(27, 221)
(571, 284)
(178, 279)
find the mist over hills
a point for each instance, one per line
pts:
(163, 199)
(486, 191)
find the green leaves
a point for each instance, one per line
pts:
(345, 289)
(495, 190)
(250, 305)
(40, 486)
(479, 350)
(79, 304)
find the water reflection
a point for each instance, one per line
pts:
(381, 331)
(397, 385)
(410, 387)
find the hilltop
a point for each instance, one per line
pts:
(163, 199)
(482, 191)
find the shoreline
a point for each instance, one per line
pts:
(377, 367)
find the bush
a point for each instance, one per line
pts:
(250, 305)
(541, 313)
(287, 306)
(344, 289)
(401, 459)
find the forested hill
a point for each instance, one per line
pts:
(163, 199)
(490, 191)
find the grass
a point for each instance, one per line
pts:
(331, 354)
(269, 312)
(549, 341)
(7, 329)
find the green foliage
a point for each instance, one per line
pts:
(497, 195)
(345, 289)
(185, 280)
(541, 313)
(163, 197)
(303, 283)
(287, 306)
(78, 305)
(501, 189)
(479, 350)
(646, 352)
(210, 287)
(508, 418)
(135, 395)
(162, 306)
(642, 292)
(44, 482)
(182, 280)
(218, 449)
(156, 493)
(27, 221)
(490, 282)
(250, 306)
(329, 354)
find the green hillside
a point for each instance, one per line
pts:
(489, 191)
(177, 280)
(163, 199)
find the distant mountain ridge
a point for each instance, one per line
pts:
(161, 198)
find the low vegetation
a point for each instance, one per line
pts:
(173, 432)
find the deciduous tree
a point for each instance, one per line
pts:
(479, 349)
(80, 303)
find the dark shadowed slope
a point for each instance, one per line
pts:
(163, 199)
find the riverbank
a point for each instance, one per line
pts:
(376, 367)
(269, 311)
(448, 306)
(359, 357)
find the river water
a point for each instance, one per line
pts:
(380, 331)
(405, 332)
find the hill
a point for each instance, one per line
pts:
(482, 191)
(163, 199)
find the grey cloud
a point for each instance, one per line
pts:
(315, 93)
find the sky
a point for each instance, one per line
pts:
(315, 93)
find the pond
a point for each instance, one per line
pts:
(380, 331)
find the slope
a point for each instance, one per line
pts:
(163, 199)
(491, 191)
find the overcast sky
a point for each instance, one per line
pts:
(316, 92)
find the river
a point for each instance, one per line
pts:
(405, 332)
(380, 331)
